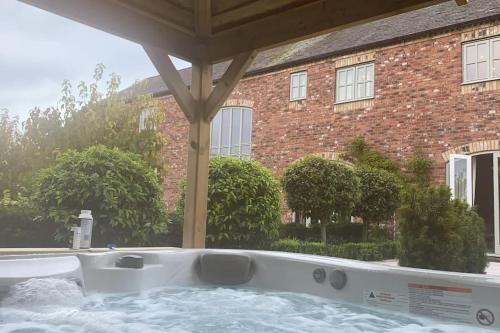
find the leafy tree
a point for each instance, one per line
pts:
(380, 196)
(360, 153)
(11, 163)
(91, 117)
(321, 189)
(122, 191)
(243, 204)
(419, 170)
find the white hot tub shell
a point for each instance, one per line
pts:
(470, 299)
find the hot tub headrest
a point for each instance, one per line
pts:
(225, 268)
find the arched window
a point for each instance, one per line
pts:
(231, 132)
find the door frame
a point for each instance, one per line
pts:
(496, 208)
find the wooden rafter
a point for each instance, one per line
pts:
(226, 84)
(173, 80)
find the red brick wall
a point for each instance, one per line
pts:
(419, 107)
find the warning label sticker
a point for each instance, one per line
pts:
(385, 299)
(441, 302)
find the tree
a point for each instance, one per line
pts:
(360, 153)
(122, 191)
(380, 196)
(243, 204)
(320, 189)
(10, 159)
(438, 233)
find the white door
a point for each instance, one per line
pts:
(496, 198)
(461, 177)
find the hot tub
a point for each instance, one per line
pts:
(231, 290)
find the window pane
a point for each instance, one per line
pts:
(470, 72)
(361, 90)
(342, 94)
(496, 68)
(302, 91)
(303, 79)
(369, 89)
(495, 46)
(247, 126)
(341, 78)
(369, 72)
(226, 125)
(295, 80)
(482, 70)
(482, 52)
(361, 75)
(470, 54)
(236, 127)
(460, 179)
(350, 76)
(349, 92)
(215, 135)
(295, 92)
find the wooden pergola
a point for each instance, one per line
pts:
(205, 32)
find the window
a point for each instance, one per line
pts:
(298, 86)
(231, 132)
(481, 60)
(144, 123)
(354, 83)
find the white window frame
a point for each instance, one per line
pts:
(219, 147)
(299, 86)
(354, 86)
(489, 42)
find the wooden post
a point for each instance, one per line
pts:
(195, 209)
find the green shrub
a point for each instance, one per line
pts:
(123, 193)
(437, 233)
(357, 251)
(419, 169)
(360, 153)
(243, 204)
(474, 243)
(380, 196)
(336, 232)
(320, 189)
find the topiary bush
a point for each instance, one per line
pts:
(356, 251)
(380, 196)
(320, 188)
(243, 204)
(123, 193)
(437, 233)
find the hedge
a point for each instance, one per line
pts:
(357, 251)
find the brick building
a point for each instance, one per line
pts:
(424, 82)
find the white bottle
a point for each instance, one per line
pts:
(86, 225)
(77, 233)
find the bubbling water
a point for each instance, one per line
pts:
(51, 305)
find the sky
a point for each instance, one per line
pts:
(38, 50)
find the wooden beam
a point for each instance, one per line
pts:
(226, 84)
(195, 209)
(303, 22)
(123, 22)
(173, 80)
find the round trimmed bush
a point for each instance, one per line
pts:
(321, 189)
(123, 193)
(380, 196)
(243, 204)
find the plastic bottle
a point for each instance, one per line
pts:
(77, 233)
(86, 225)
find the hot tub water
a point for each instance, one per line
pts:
(53, 305)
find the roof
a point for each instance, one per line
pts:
(385, 31)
